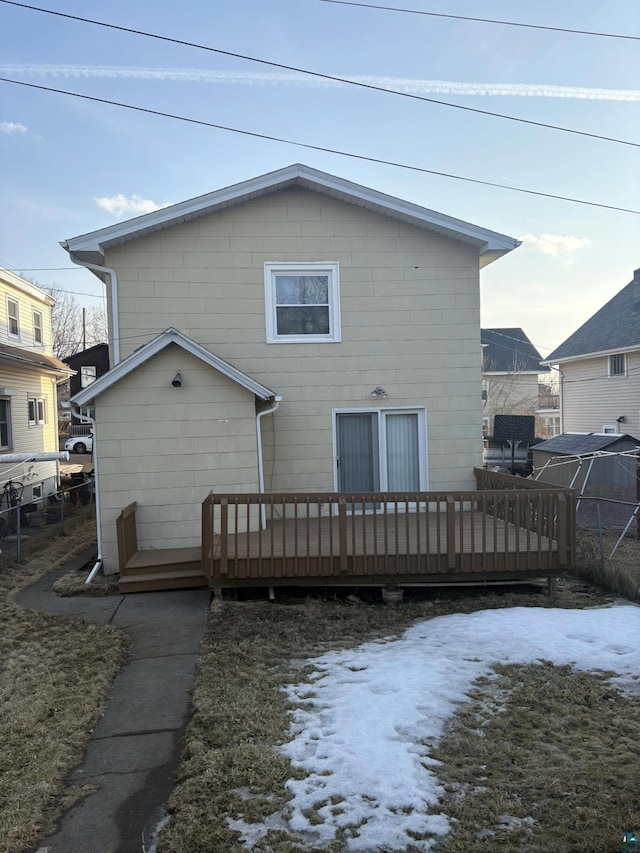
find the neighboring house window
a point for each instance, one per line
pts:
(13, 313)
(485, 426)
(610, 429)
(87, 375)
(5, 423)
(302, 302)
(36, 411)
(552, 424)
(37, 327)
(617, 364)
(36, 492)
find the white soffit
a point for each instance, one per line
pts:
(91, 247)
(156, 345)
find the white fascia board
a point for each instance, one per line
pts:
(598, 354)
(490, 244)
(32, 290)
(154, 346)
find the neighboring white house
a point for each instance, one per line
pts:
(599, 368)
(348, 317)
(28, 378)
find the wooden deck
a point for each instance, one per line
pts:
(505, 530)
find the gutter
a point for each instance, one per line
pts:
(274, 408)
(115, 326)
(88, 420)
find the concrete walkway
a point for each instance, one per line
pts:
(135, 748)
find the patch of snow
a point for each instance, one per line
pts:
(370, 716)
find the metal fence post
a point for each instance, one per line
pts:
(62, 512)
(600, 538)
(18, 532)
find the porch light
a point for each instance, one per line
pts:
(378, 393)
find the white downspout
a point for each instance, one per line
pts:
(259, 416)
(86, 419)
(115, 326)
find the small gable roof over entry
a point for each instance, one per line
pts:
(90, 248)
(156, 345)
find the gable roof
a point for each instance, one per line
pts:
(509, 351)
(614, 328)
(582, 444)
(99, 350)
(91, 247)
(156, 345)
(28, 358)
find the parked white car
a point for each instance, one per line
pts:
(79, 444)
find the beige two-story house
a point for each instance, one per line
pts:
(295, 332)
(599, 367)
(29, 375)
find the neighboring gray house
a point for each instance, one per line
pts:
(511, 366)
(599, 368)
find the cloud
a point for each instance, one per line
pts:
(554, 244)
(276, 78)
(120, 204)
(12, 127)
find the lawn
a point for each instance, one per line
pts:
(54, 676)
(540, 756)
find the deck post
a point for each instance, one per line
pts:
(224, 534)
(451, 532)
(561, 528)
(342, 533)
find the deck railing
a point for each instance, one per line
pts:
(127, 537)
(340, 535)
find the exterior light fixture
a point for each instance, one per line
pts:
(378, 393)
(177, 381)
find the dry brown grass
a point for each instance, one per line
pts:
(543, 759)
(54, 675)
(621, 573)
(230, 768)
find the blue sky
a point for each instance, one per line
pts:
(71, 166)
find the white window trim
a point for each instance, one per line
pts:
(609, 360)
(611, 429)
(87, 378)
(15, 336)
(382, 441)
(38, 421)
(332, 268)
(36, 342)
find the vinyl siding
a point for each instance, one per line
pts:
(591, 398)
(26, 306)
(167, 448)
(409, 311)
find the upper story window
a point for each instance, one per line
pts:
(618, 364)
(37, 328)
(13, 317)
(302, 302)
(87, 375)
(37, 411)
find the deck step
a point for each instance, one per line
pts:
(163, 579)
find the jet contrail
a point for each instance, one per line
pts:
(268, 78)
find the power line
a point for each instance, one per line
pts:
(484, 20)
(256, 135)
(332, 77)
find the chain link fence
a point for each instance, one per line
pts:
(608, 541)
(27, 527)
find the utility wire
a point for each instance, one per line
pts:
(332, 77)
(322, 148)
(483, 20)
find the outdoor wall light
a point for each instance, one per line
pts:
(177, 381)
(621, 419)
(378, 393)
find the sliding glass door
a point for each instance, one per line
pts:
(380, 450)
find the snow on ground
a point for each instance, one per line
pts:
(372, 714)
